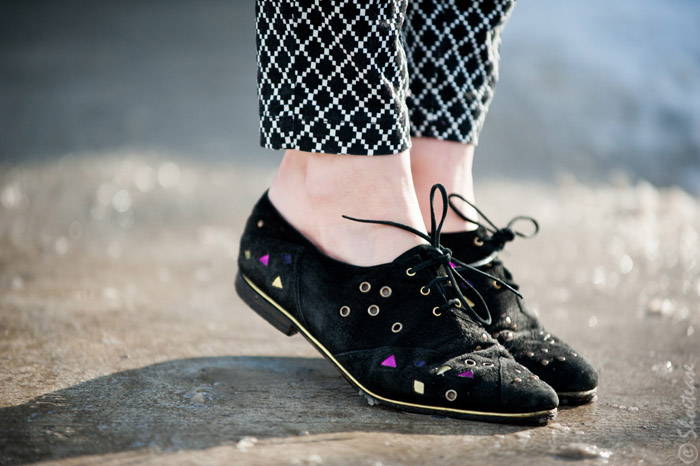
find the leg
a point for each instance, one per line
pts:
(452, 52)
(332, 80)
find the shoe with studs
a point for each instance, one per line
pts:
(401, 333)
(518, 330)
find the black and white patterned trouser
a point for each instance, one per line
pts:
(363, 76)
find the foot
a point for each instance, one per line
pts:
(564, 369)
(313, 192)
(399, 332)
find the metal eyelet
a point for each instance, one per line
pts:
(496, 285)
(435, 311)
(410, 272)
(423, 292)
(478, 241)
(385, 292)
(487, 364)
(470, 362)
(373, 310)
(344, 311)
(396, 328)
(365, 287)
(451, 395)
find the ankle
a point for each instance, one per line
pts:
(450, 164)
(314, 191)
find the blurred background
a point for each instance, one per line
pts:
(129, 161)
(589, 88)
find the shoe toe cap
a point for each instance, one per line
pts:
(522, 391)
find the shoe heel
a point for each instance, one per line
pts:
(264, 309)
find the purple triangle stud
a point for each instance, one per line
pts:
(390, 361)
(466, 374)
(265, 259)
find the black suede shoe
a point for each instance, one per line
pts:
(398, 332)
(565, 370)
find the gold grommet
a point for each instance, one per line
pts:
(435, 311)
(496, 285)
(410, 272)
(365, 287)
(396, 328)
(385, 292)
(451, 395)
(373, 310)
(423, 292)
(478, 241)
(344, 311)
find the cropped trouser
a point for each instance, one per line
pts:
(362, 77)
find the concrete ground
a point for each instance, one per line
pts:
(129, 162)
(123, 340)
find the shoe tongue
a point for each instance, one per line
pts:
(420, 251)
(462, 245)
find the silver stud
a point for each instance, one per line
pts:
(396, 328)
(545, 350)
(509, 335)
(484, 337)
(518, 371)
(365, 287)
(260, 223)
(545, 362)
(373, 310)
(517, 380)
(574, 354)
(470, 362)
(451, 395)
(530, 354)
(509, 320)
(385, 292)
(514, 327)
(535, 377)
(478, 348)
(495, 334)
(344, 311)
(561, 358)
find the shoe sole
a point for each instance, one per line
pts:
(283, 321)
(577, 398)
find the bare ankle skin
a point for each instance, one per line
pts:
(312, 191)
(449, 163)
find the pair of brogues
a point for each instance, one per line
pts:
(425, 333)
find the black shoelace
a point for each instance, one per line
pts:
(498, 238)
(439, 256)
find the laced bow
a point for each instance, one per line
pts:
(442, 256)
(499, 236)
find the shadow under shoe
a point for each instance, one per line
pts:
(518, 330)
(397, 332)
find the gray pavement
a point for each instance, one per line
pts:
(123, 340)
(129, 162)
